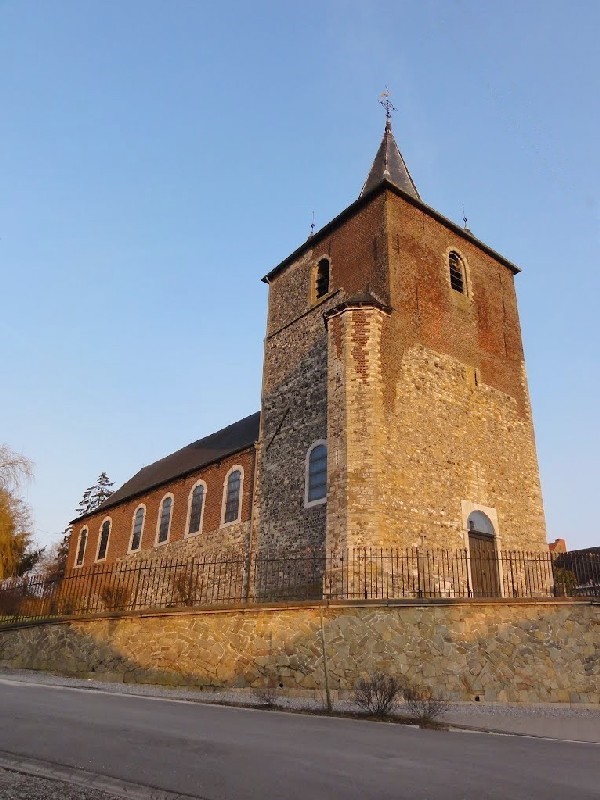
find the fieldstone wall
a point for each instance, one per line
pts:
(518, 652)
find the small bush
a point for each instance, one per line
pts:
(115, 596)
(423, 704)
(186, 587)
(377, 694)
(267, 693)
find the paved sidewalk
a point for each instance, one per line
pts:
(554, 721)
(563, 721)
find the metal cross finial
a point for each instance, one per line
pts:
(384, 100)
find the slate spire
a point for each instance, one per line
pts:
(389, 165)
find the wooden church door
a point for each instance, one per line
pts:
(484, 560)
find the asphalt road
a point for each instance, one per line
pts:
(220, 753)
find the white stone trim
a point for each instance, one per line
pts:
(159, 517)
(129, 550)
(187, 534)
(236, 467)
(109, 520)
(310, 503)
(87, 536)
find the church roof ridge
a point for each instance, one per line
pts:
(365, 198)
(222, 443)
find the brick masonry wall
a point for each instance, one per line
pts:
(212, 536)
(429, 414)
(516, 652)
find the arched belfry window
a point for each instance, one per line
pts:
(138, 528)
(322, 278)
(457, 272)
(81, 547)
(164, 519)
(232, 496)
(316, 474)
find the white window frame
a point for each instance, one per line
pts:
(109, 520)
(159, 517)
(235, 468)
(130, 549)
(87, 538)
(187, 534)
(310, 503)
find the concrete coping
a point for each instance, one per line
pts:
(234, 608)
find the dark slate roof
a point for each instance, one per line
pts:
(236, 437)
(389, 165)
(358, 301)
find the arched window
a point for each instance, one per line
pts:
(81, 547)
(138, 528)
(196, 508)
(232, 496)
(322, 278)
(164, 519)
(316, 474)
(104, 535)
(478, 522)
(457, 272)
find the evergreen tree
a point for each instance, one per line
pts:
(95, 495)
(54, 564)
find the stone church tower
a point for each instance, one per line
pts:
(395, 409)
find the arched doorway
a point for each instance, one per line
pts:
(482, 551)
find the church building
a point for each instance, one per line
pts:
(394, 413)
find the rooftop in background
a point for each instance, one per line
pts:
(557, 546)
(238, 436)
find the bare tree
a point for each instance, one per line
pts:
(17, 554)
(15, 469)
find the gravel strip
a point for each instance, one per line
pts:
(17, 786)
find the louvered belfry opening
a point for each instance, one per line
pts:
(322, 278)
(457, 278)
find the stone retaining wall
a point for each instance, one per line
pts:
(538, 651)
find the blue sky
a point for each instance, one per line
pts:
(157, 158)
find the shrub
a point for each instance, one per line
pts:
(115, 596)
(267, 693)
(422, 702)
(186, 587)
(377, 694)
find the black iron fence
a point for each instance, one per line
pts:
(357, 574)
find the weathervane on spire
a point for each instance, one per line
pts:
(384, 100)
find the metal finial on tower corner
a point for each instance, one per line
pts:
(384, 100)
(312, 226)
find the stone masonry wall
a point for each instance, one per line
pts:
(294, 392)
(429, 415)
(459, 431)
(516, 652)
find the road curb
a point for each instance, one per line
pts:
(88, 780)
